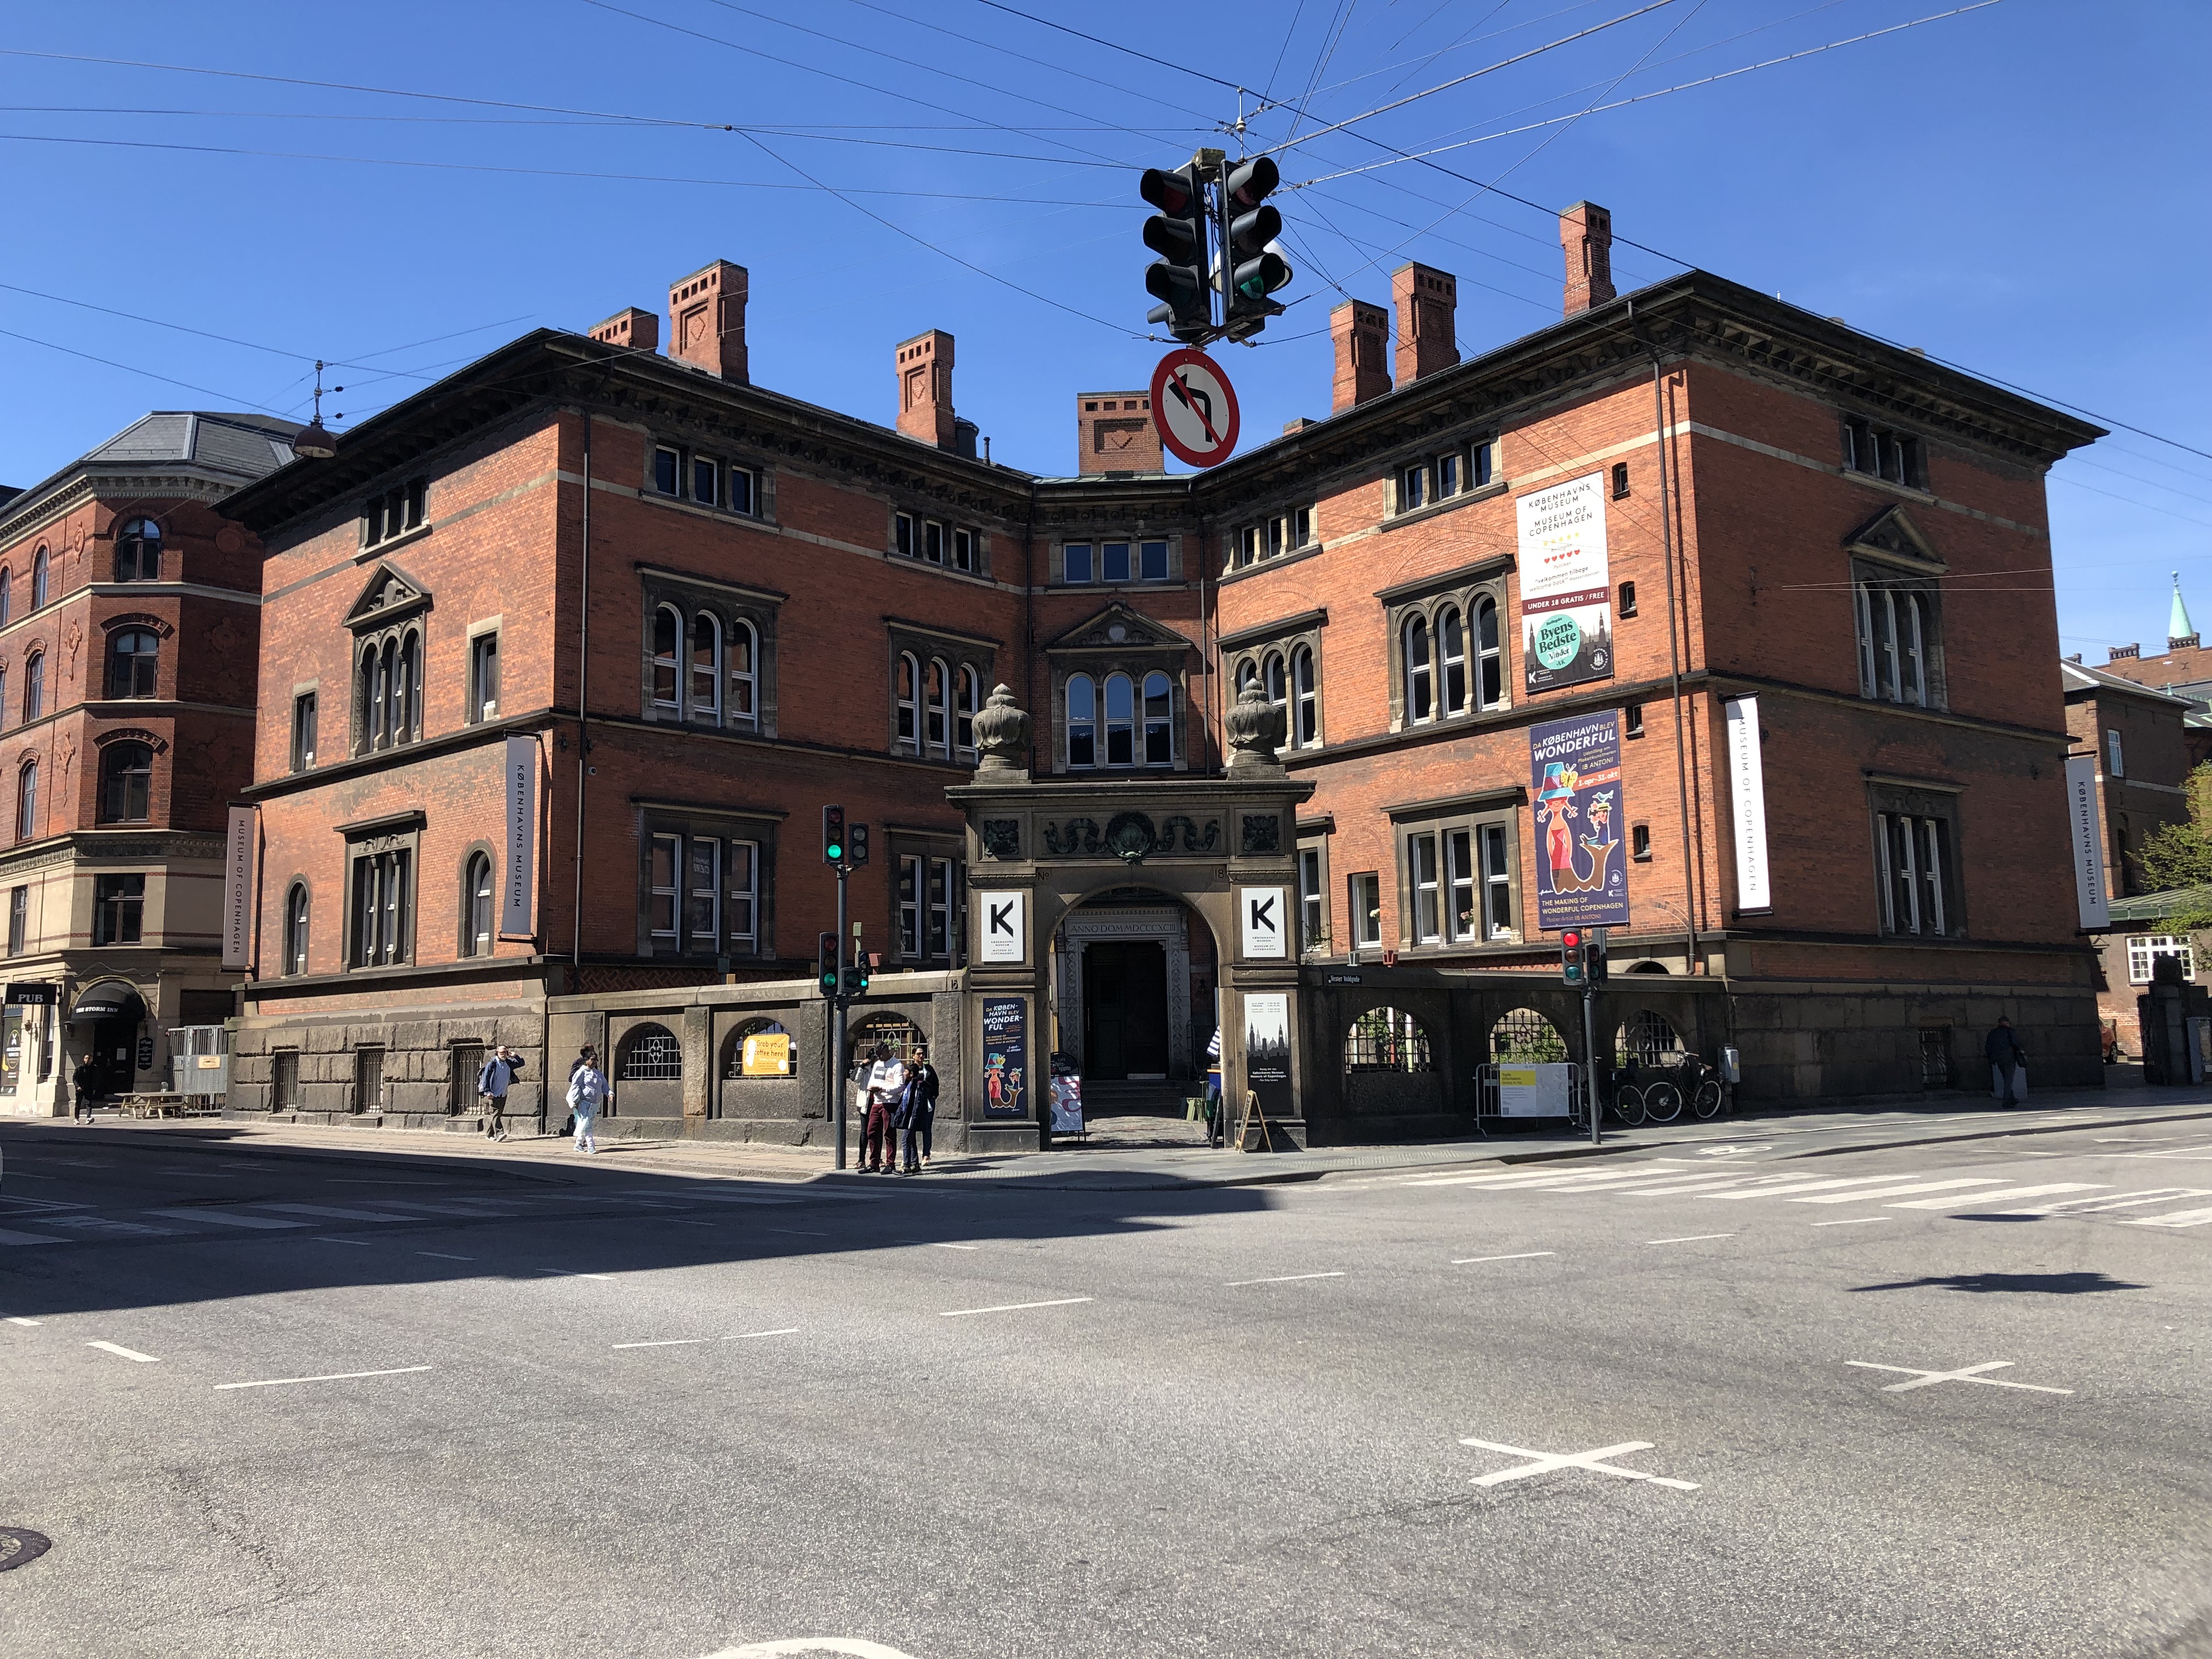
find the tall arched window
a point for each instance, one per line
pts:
(126, 783)
(391, 680)
(411, 708)
(295, 929)
(1247, 673)
(1490, 679)
(1305, 724)
(706, 668)
(937, 702)
(907, 696)
(1453, 638)
(1276, 677)
(1420, 700)
(744, 675)
(368, 696)
(138, 552)
(1159, 721)
(1120, 721)
(477, 906)
(34, 685)
(27, 801)
(7, 595)
(967, 704)
(38, 569)
(668, 645)
(133, 656)
(1082, 721)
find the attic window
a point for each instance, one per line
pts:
(394, 512)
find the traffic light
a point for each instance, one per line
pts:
(1256, 265)
(1574, 963)
(833, 834)
(856, 845)
(1178, 234)
(825, 963)
(856, 976)
(1594, 956)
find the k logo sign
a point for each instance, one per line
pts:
(1004, 918)
(1264, 915)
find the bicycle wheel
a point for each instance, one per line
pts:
(1628, 1106)
(1663, 1101)
(1706, 1102)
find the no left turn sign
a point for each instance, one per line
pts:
(1194, 407)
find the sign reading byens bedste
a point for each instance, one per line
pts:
(1566, 599)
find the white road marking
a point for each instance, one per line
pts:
(444, 1256)
(332, 1376)
(850, 1647)
(1700, 1184)
(1867, 1197)
(1545, 1462)
(571, 1272)
(14, 1320)
(792, 1330)
(2007, 1193)
(122, 1352)
(463, 1208)
(666, 1342)
(216, 1218)
(7, 1237)
(1855, 1221)
(2111, 1201)
(101, 1223)
(328, 1211)
(1283, 1279)
(1972, 1373)
(1808, 1187)
(1519, 1256)
(678, 1221)
(1016, 1307)
(1527, 1177)
(798, 1232)
(2179, 1218)
(1694, 1238)
(359, 1243)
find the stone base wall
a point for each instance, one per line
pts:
(418, 1064)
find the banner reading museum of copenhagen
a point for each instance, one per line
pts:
(1574, 777)
(1566, 597)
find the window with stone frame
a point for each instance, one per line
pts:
(388, 623)
(1918, 861)
(705, 477)
(394, 511)
(1116, 561)
(1440, 476)
(1316, 936)
(1291, 530)
(1459, 874)
(382, 863)
(702, 881)
(1448, 647)
(937, 681)
(1119, 698)
(1876, 451)
(932, 538)
(1284, 659)
(709, 653)
(929, 898)
(1899, 615)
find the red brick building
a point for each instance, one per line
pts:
(710, 607)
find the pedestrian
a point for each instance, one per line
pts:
(1214, 1124)
(919, 1110)
(84, 1082)
(884, 1083)
(492, 1080)
(588, 1092)
(2007, 1058)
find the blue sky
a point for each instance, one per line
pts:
(2019, 189)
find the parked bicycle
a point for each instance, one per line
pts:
(1645, 1094)
(1705, 1086)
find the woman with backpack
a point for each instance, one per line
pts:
(588, 1092)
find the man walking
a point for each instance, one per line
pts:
(587, 1092)
(492, 1080)
(2007, 1057)
(84, 1082)
(885, 1082)
(919, 1115)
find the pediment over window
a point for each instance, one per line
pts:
(1891, 534)
(388, 597)
(1117, 628)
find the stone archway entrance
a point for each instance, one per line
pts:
(1131, 983)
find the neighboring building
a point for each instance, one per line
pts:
(2140, 739)
(2185, 672)
(128, 633)
(706, 608)
(2128, 953)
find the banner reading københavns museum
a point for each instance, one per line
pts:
(1574, 777)
(1566, 597)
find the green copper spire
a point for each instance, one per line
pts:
(2176, 625)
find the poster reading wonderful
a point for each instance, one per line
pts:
(1574, 776)
(1566, 599)
(1005, 1057)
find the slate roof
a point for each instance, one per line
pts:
(222, 449)
(2080, 678)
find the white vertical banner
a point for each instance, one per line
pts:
(1004, 920)
(1264, 915)
(238, 888)
(520, 887)
(2088, 841)
(1747, 796)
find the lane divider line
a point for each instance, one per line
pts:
(1284, 1279)
(1855, 1221)
(122, 1352)
(571, 1272)
(332, 1376)
(1694, 1238)
(1518, 1255)
(444, 1256)
(14, 1320)
(1016, 1307)
(666, 1342)
(781, 1330)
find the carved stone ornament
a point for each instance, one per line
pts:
(1256, 728)
(1002, 734)
(1129, 836)
(1263, 833)
(1002, 838)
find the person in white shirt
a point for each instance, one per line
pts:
(885, 1083)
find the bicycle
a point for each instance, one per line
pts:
(1708, 1090)
(1637, 1099)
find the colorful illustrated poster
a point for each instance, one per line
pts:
(1067, 1105)
(1566, 595)
(1005, 1057)
(1267, 1051)
(1574, 776)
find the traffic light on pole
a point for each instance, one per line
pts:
(825, 963)
(1178, 234)
(833, 834)
(1256, 265)
(1594, 956)
(1574, 964)
(856, 845)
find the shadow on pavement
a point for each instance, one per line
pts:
(2075, 1284)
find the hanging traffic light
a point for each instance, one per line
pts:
(833, 834)
(1178, 234)
(1574, 964)
(856, 845)
(825, 963)
(1255, 258)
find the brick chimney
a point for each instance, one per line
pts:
(707, 320)
(925, 388)
(1361, 335)
(1426, 301)
(2123, 653)
(638, 330)
(1586, 233)
(1114, 432)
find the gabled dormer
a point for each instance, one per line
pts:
(391, 597)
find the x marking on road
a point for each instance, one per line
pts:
(1545, 1462)
(1972, 1373)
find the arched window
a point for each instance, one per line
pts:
(34, 685)
(7, 595)
(477, 906)
(1524, 1035)
(369, 695)
(133, 655)
(1646, 1039)
(908, 696)
(1159, 721)
(1306, 725)
(138, 552)
(667, 647)
(1276, 677)
(27, 801)
(1453, 638)
(295, 929)
(1120, 721)
(1082, 721)
(1491, 677)
(651, 1054)
(1419, 703)
(744, 675)
(966, 705)
(937, 701)
(391, 679)
(126, 783)
(411, 711)
(1247, 673)
(706, 668)
(39, 569)
(1387, 1040)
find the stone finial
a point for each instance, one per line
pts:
(1255, 726)
(1002, 735)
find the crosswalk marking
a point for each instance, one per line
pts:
(1865, 1197)
(7, 1237)
(2183, 1218)
(1811, 1186)
(2112, 1201)
(218, 1219)
(332, 1210)
(1991, 1198)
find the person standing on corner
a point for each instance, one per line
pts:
(2007, 1057)
(885, 1083)
(493, 1081)
(1214, 1127)
(588, 1092)
(83, 1083)
(919, 1114)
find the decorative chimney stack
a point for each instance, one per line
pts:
(1586, 233)
(1114, 432)
(925, 388)
(1361, 335)
(1426, 301)
(707, 320)
(636, 329)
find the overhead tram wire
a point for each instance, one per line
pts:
(1111, 45)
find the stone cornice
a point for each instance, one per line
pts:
(36, 509)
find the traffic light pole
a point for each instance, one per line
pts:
(837, 1024)
(1590, 1054)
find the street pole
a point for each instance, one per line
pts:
(1589, 1056)
(837, 1023)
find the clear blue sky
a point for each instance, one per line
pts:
(2019, 189)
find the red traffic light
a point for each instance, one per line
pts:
(1571, 938)
(1170, 192)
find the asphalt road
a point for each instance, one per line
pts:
(268, 1401)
